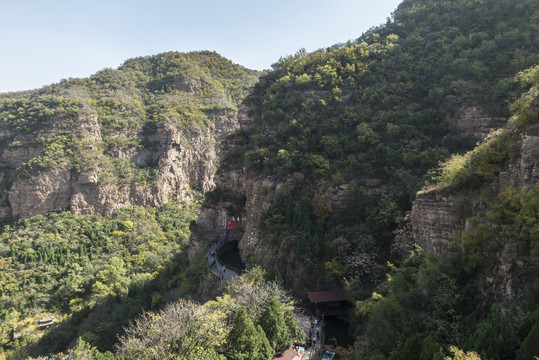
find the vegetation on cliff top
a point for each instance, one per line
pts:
(377, 110)
(380, 110)
(484, 163)
(171, 90)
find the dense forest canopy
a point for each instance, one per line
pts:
(98, 270)
(382, 109)
(375, 120)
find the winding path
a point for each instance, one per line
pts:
(220, 269)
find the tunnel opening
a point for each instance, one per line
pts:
(229, 255)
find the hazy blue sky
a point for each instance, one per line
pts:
(44, 41)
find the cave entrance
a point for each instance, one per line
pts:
(229, 255)
(337, 331)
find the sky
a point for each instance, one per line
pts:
(43, 42)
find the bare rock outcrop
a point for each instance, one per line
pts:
(183, 159)
(48, 190)
(433, 222)
(474, 123)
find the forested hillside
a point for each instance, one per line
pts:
(338, 142)
(348, 134)
(107, 173)
(320, 163)
(481, 293)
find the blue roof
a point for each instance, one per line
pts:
(328, 355)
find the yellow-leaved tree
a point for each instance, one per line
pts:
(461, 355)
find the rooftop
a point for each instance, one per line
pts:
(289, 354)
(326, 296)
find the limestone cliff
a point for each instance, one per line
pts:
(434, 216)
(94, 145)
(434, 222)
(439, 215)
(474, 123)
(184, 161)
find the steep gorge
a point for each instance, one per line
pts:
(318, 163)
(335, 143)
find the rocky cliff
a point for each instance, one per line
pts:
(452, 219)
(183, 159)
(435, 214)
(474, 123)
(94, 145)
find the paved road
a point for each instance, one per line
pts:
(314, 352)
(219, 269)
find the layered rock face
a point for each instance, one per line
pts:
(473, 123)
(435, 219)
(433, 222)
(232, 198)
(184, 161)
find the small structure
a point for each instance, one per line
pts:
(331, 302)
(290, 354)
(46, 322)
(328, 355)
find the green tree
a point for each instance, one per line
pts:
(246, 341)
(295, 330)
(196, 271)
(265, 351)
(496, 338)
(366, 135)
(83, 351)
(112, 280)
(182, 330)
(530, 345)
(461, 355)
(273, 323)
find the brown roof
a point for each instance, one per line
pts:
(289, 354)
(326, 296)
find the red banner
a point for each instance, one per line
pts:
(231, 224)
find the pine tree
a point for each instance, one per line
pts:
(296, 333)
(265, 350)
(247, 342)
(273, 323)
(530, 346)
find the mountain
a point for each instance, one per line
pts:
(401, 166)
(145, 134)
(335, 143)
(101, 178)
